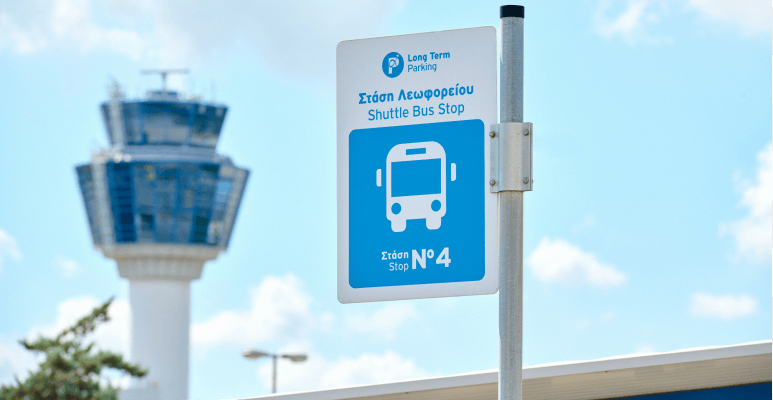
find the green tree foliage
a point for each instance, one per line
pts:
(71, 369)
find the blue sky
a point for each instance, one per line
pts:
(649, 227)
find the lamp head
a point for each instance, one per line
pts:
(295, 357)
(254, 354)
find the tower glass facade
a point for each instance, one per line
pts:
(167, 202)
(157, 122)
(162, 181)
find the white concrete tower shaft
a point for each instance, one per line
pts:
(159, 333)
(160, 297)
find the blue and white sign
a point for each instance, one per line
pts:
(416, 218)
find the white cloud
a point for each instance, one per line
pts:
(596, 322)
(8, 247)
(751, 17)
(68, 266)
(630, 24)
(384, 323)
(560, 261)
(31, 26)
(634, 21)
(588, 222)
(279, 308)
(722, 307)
(15, 361)
(113, 335)
(13, 33)
(644, 349)
(624, 24)
(318, 373)
(752, 234)
(294, 36)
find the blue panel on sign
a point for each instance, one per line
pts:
(410, 178)
(423, 224)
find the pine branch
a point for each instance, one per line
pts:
(71, 370)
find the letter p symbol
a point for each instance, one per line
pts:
(393, 61)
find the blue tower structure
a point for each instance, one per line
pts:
(161, 202)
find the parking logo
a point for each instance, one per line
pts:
(393, 64)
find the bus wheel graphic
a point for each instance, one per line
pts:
(416, 184)
(398, 225)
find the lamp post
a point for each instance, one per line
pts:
(255, 354)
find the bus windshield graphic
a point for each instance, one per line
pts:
(410, 178)
(416, 184)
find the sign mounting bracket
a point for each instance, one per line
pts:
(510, 156)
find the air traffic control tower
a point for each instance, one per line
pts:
(161, 202)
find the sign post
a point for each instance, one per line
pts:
(514, 162)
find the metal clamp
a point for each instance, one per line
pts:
(511, 156)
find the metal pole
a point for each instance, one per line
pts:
(511, 214)
(511, 65)
(273, 376)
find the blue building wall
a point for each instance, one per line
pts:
(744, 392)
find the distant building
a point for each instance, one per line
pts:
(161, 202)
(741, 372)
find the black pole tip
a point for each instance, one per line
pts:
(511, 11)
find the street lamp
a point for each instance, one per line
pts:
(255, 354)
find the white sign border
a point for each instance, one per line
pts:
(489, 284)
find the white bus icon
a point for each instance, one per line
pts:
(416, 184)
